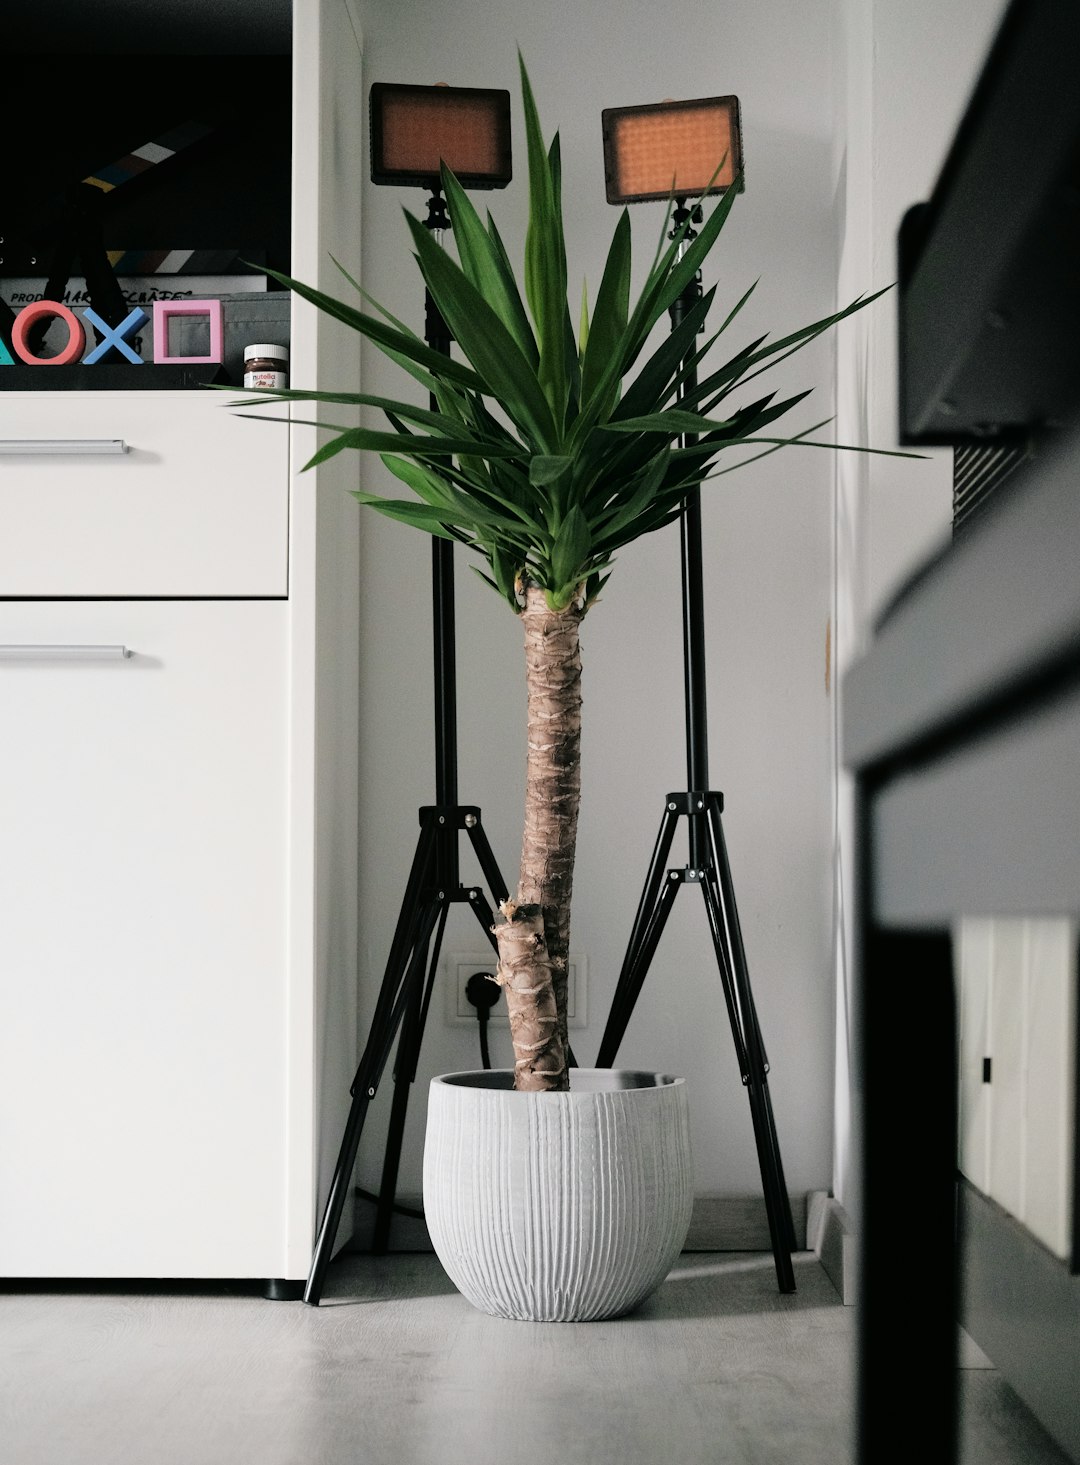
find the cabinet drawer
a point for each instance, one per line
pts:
(142, 939)
(197, 504)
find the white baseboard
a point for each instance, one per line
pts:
(830, 1236)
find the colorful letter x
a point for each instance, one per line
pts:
(114, 336)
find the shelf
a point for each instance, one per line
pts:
(107, 378)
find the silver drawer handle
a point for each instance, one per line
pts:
(64, 653)
(80, 445)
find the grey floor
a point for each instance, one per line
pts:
(396, 1367)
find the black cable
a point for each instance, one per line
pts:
(483, 993)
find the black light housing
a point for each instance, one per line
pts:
(415, 128)
(663, 150)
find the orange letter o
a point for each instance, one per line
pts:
(31, 313)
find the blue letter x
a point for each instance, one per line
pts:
(111, 337)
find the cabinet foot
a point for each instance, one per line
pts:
(283, 1289)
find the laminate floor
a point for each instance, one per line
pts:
(395, 1368)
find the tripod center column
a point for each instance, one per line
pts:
(437, 335)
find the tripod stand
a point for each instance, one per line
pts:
(433, 886)
(709, 868)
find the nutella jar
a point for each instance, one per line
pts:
(266, 366)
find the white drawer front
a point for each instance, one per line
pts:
(197, 505)
(142, 939)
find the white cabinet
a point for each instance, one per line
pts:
(142, 937)
(178, 826)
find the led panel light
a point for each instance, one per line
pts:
(672, 149)
(414, 128)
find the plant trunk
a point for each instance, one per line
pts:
(534, 937)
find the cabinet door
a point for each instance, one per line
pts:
(142, 939)
(1017, 1062)
(196, 505)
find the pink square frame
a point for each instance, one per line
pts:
(164, 309)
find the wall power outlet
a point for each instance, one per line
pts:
(458, 968)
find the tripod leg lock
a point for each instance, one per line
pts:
(696, 801)
(450, 816)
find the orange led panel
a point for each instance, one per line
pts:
(672, 149)
(415, 128)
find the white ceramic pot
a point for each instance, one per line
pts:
(558, 1207)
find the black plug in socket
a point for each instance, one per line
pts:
(482, 991)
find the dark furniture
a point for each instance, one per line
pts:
(962, 727)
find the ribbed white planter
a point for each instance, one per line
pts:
(558, 1207)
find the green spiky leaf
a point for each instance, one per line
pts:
(542, 452)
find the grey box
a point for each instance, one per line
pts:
(247, 318)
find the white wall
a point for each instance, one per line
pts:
(767, 568)
(910, 66)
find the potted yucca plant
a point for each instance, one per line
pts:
(551, 450)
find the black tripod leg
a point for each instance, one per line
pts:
(728, 937)
(777, 1207)
(629, 984)
(389, 1010)
(484, 855)
(365, 1084)
(759, 1063)
(619, 1017)
(711, 892)
(403, 943)
(412, 1032)
(484, 914)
